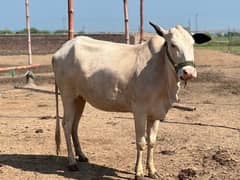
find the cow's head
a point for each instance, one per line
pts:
(180, 50)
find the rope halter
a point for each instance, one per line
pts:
(178, 66)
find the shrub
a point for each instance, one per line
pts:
(6, 31)
(33, 31)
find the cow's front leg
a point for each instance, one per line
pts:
(152, 129)
(140, 127)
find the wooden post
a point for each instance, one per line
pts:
(141, 22)
(70, 19)
(125, 2)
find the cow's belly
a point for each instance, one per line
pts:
(112, 106)
(105, 88)
(106, 95)
(108, 102)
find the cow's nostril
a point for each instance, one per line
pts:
(185, 72)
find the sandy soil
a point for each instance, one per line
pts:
(202, 145)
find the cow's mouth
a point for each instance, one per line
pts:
(186, 78)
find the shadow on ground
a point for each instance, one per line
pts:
(47, 164)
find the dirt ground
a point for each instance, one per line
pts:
(201, 145)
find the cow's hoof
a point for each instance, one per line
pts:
(139, 177)
(73, 167)
(155, 176)
(83, 159)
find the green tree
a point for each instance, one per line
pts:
(6, 31)
(33, 31)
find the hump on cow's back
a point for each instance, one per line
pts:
(156, 43)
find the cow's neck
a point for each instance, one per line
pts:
(159, 73)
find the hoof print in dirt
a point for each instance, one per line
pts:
(39, 131)
(167, 152)
(223, 158)
(73, 167)
(187, 174)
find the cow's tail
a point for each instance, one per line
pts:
(57, 130)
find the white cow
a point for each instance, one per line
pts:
(141, 79)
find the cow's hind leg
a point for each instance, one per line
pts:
(152, 129)
(67, 123)
(79, 106)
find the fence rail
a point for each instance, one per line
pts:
(3, 69)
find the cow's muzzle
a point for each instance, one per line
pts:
(187, 73)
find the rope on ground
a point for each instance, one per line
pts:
(35, 89)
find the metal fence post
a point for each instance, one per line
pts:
(29, 74)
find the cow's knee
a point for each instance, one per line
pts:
(151, 142)
(141, 144)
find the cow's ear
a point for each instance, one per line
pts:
(159, 30)
(201, 38)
